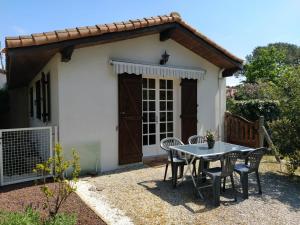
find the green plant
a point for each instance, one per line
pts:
(32, 217)
(253, 109)
(286, 139)
(58, 194)
(209, 136)
(29, 217)
(61, 219)
(293, 162)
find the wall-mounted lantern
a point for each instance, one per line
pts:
(164, 58)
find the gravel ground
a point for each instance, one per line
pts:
(140, 194)
(18, 197)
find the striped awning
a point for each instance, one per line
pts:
(121, 66)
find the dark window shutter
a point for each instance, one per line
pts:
(38, 99)
(130, 118)
(188, 108)
(31, 101)
(44, 97)
(48, 98)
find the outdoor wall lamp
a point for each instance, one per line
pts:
(164, 58)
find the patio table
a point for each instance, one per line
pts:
(201, 150)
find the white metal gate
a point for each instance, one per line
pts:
(20, 150)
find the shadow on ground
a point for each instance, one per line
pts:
(275, 186)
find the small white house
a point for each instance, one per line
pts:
(115, 90)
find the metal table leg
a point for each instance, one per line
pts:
(189, 164)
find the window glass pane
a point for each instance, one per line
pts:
(145, 117)
(152, 139)
(170, 135)
(152, 128)
(169, 84)
(145, 140)
(162, 84)
(170, 105)
(145, 108)
(162, 136)
(151, 94)
(170, 116)
(145, 128)
(170, 127)
(162, 95)
(145, 94)
(162, 127)
(162, 116)
(170, 95)
(151, 83)
(144, 83)
(162, 106)
(151, 105)
(151, 117)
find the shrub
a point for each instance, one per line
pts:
(253, 109)
(285, 136)
(31, 217)
(61, 219)
(55, 197)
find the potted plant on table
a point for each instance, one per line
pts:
(210, 138)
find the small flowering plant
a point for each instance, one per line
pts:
(210, 138)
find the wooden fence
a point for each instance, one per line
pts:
(240, 131)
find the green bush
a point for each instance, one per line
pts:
(31, 217)
(284, 135)
(253, 109)
(61, 219)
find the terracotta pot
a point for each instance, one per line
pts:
(211, 144)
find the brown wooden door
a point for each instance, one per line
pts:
(188, 108)
(130, 118)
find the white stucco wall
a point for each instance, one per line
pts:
(50, 67)
(88, 95)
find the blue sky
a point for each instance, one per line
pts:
(239, 26)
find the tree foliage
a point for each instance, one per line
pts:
(272, 72)
(270, 62)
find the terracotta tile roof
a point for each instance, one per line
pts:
(88, 31)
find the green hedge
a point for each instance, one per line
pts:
(253, 109)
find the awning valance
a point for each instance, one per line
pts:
(120, 66)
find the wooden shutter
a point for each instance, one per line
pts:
(130, 118)
(188, 108)
(31, 101)
(46, 97)
(38, 99)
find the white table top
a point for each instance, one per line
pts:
(201, 150)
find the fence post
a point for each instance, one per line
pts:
(261, 131)
(1, 160)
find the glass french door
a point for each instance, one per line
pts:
(158, 112)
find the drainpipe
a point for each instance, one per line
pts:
(220, 78)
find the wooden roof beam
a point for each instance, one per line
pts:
(166, 34)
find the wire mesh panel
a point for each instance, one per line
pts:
(20, 151)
